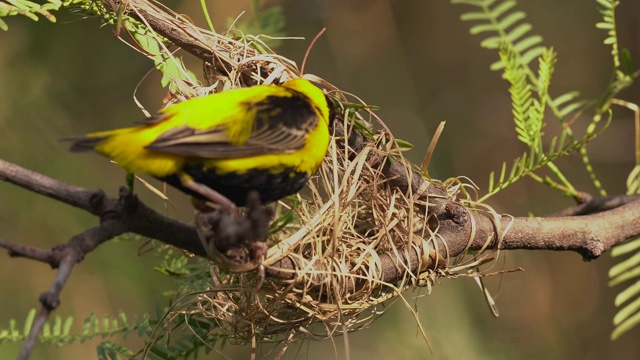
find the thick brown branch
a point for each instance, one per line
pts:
(589, 235)
(138, 217)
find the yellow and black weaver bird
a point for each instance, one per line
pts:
(265, 138)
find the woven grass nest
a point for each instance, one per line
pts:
(345, 254)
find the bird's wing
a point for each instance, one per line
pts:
(275, 124)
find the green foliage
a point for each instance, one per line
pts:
(31, 9)
(628, 300)
(166, 337)
(633, 180)
(58, 331)
(608, 24)
(529, 91)
(528, 163)
(149, 43)
(622, 77)
(171, 67)
(628, 317)
(110, 350)
(511, 35)
(506, 28)
(188, 335)
(185, 335)
(268, 23)
(528, 110)
(191, 274)
(286, 217)
(181, 337)
(530, 97)
(529, 103)
(173, 262)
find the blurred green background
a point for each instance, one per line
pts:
(414, 59)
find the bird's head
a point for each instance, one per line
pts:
(323, 103)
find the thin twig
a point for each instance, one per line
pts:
(18, 250)
(71, 254)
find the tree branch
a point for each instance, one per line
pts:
(140, 218)
(65, 258)
(117, 216)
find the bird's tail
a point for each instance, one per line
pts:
(89, 142)
(127, 148)
(84, 143)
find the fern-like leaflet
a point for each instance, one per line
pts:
(31, 9)
(528, 163)
(628, 300)
(511, 34)
(628, 317)
(58, 331)
(608, 24)
(498, 19)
